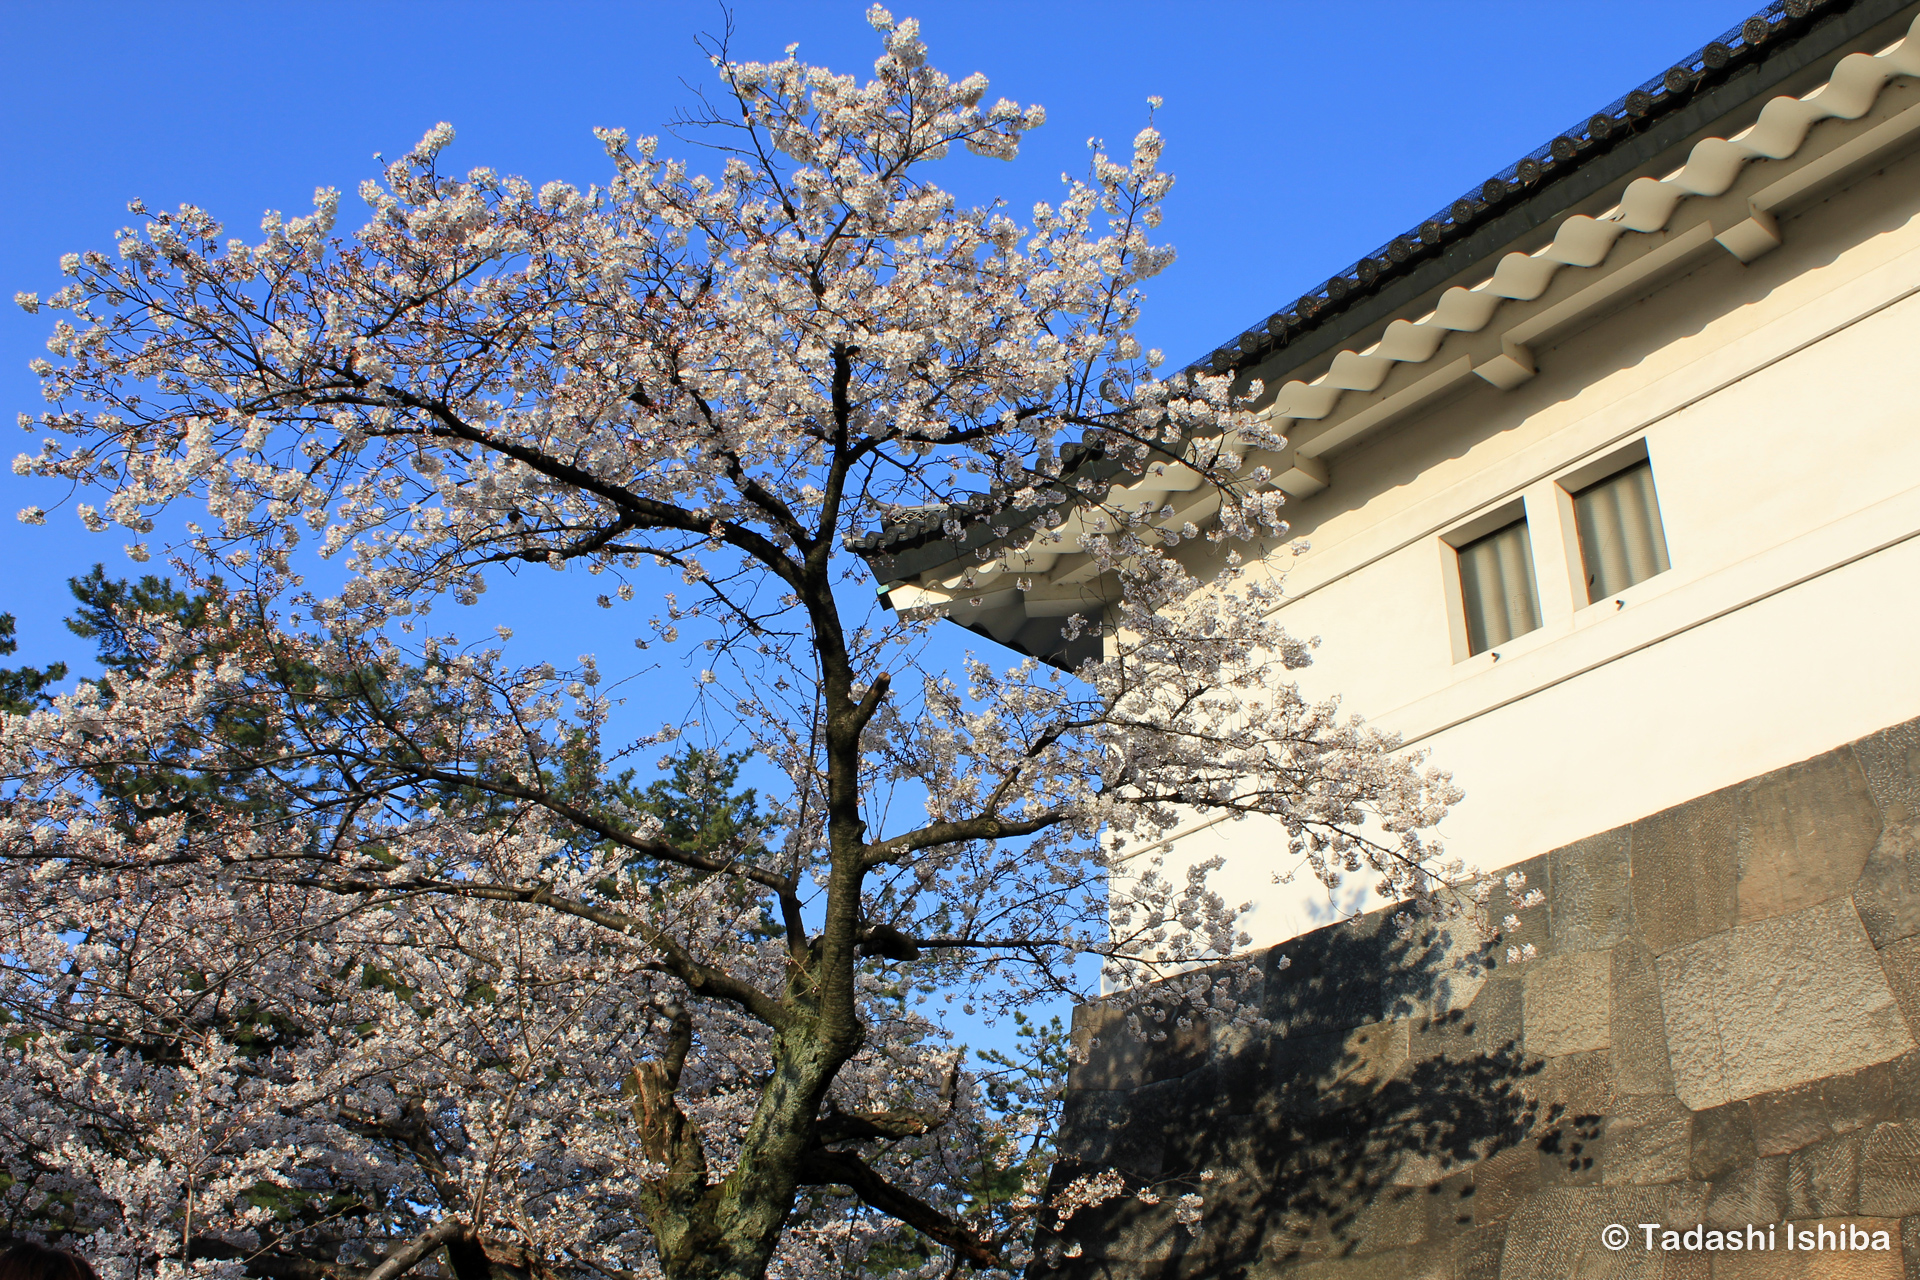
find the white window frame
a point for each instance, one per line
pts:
(1491, 521)
(1582, 477)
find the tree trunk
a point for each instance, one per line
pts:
(730, 1229)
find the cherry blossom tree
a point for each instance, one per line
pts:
(332, 948)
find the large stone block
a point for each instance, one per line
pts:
(1858, 1099)
(1890, 760)
(1751, 1193)
(1476, 1254)
(1799, 1264)
(1888, 894)
(1824, 1181)
(1293, 1235)
(1569, 1004)
(1452, 1205)
(1137, 1145)
(1174, 1044)
(1504, 1181)
(1687, 1201)
(1176, 1126)
(1548, 1235)
(1298, 1071)
(1573, 1148)
(1685, 868)
(1890, 1170)
(1492, 1023)
(1557, 1233)
(1108, 1057)
(1580, 1084)
(1686, 1266)
(1373, 1054)
(1649, 1140)
(1904, 1085)
(1089, 1121)
(1805, 833)
(1792, 839)
(1123, 1049)
(1790, 1119)
(1392, 1216)
(1901, 963)
(1201, 1133)
(1590, 891)
(1346, 975)
(1126, 1230)
(1230, 1235)
(1777, 1003)
(1675, 1204)
(1241, 1062)
(1497, 1017)
(1722, 1140)
(1641, 1064)
(1424, 1169)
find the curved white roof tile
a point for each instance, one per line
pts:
(1647, 205)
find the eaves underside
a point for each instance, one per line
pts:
(1718, 82)
(1579, 264)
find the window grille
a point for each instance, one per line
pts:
(1621, 541)
(1496, 587)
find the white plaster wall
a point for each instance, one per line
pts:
(1780, 406)
(1789, 676)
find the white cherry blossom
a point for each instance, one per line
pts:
(330, 952)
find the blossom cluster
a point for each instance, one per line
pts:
(336, 951)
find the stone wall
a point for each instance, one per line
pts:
(1719, 1029)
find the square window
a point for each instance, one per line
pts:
(1496, 587)
(1621, 541)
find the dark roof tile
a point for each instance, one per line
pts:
(1644, 108)
(1632, 112)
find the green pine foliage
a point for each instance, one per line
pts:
(701, 808)
(23, 689)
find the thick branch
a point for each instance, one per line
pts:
(468, 1257)
(841, 1126)
(666, 1137)
(703, 979)
(822, 1167)
(664, 850)
(936, 834)
(403, 1259)
(870, 702)
(649, 510)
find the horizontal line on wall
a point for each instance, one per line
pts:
(1670, 633)
(1641, 425)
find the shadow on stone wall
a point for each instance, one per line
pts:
(1717, 1030)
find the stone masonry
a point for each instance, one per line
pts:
(1719, 1030)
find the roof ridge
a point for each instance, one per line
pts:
(965, 524)
(1625, 117)
(1647, 205)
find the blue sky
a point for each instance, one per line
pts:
(1303, 134)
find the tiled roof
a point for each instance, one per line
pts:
(1631, 114)
(1647, 205)
(1658, 113)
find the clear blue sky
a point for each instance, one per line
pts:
(1303, 134)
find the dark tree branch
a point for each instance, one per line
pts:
(408, 1255)
(821, 1167)
(938, 834)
